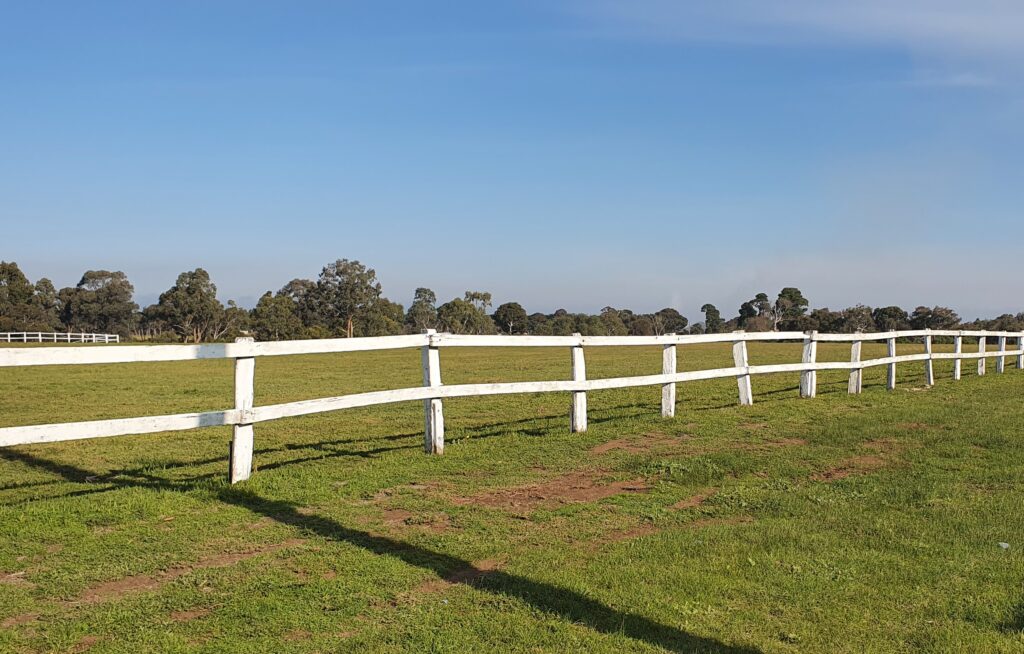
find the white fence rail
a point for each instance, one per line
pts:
(244, 351)
(57, 337)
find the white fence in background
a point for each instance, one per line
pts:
(57, 337)
(244, 351)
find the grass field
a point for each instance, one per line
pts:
(866, 523)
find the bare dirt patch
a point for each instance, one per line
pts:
(84, 645)
(570, 488)
(857, 465)
(696, 500)
(397, 519)
(118, 588)
(753, 426)
(18, 620)
(630, 533)
(885, 445)
(16, 579)
(466, 575)
(189, 614)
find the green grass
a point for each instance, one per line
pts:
(864, 523)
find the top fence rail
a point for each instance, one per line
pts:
(151, 353)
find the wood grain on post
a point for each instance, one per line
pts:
(981, 359)
(668, 391)
(856, 374)
(890, 377)
(929, 367)
(809, 377)
(741, 360)
(240, 460)
(578, 407)
(958, 350)
(433, 410)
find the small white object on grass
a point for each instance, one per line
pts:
(1005, 546)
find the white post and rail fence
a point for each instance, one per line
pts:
(57, 337)
(245, 414)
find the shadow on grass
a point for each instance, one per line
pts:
(1014, 624)
(568, 605)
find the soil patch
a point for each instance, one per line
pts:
(16, 579)
(117, 588)
(433, 522)
(886, 445)
(190, 614)
(18, 620)
(645, 529)
(84, 645)
(570, 488)
(694, 501)
(466, 575)
(857, 465)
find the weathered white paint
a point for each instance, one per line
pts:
(244, 415)
(856, 374)
(578, 407)
(929, 367)
(981, 358)
(1001, 359)
(433, 410)
(890, 376)
(809, 376)
(240, 459)
(958, 350)
(741, 361)
(70, 431)
(668, 391)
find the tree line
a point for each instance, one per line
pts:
(346, 300)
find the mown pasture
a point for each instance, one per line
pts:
(867, 523)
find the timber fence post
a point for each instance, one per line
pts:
(856, 374)
(809, 377)
(741, 360)
(240, 462)
(578, 407)
(929, 366)
(890, 377)
(981, 359)
(433, 409)
(668, 391)
(958, 350)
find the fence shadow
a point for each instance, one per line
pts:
(568, 605)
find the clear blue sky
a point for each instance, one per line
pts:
(562, 154)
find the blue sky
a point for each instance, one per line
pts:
(561, 154)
